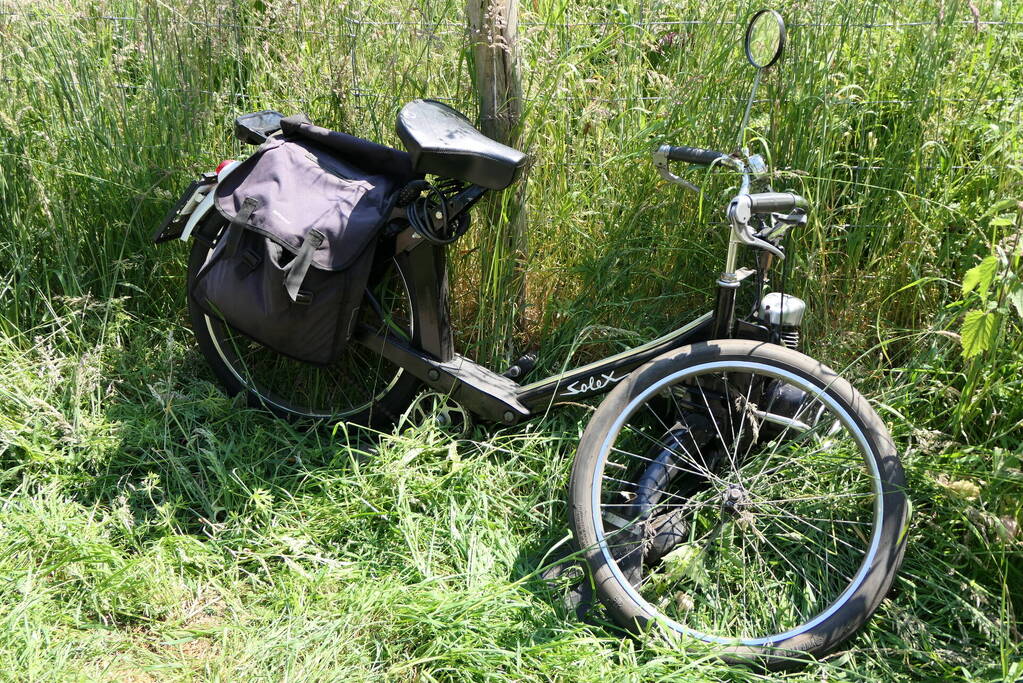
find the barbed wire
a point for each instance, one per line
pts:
(665, 99)
(350, 27)
(675, 100)
(939, 23)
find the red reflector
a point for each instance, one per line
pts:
(223, 163)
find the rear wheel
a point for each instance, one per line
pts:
(361, 387)
(741, 494)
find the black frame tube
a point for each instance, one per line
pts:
(601, 376)
(724, 309)
(427, 268)
(431, 354)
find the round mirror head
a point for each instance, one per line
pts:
(765, 38)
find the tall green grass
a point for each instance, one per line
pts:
(152, 529)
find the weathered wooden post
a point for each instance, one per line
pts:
(493, 28)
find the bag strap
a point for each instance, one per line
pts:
(238, 224)
(300, 265)
(231, 238)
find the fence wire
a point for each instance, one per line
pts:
(937, 23)
(351, 37)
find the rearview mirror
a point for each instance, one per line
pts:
(765, 38)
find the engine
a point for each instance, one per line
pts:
(783, 313)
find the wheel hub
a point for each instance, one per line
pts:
(734, 500)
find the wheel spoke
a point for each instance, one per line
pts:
(746, 527)
(702, 465)
(343, 389)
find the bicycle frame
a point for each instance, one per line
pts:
(430, 356)
(432, 359)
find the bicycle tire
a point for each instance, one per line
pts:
(386, 389)
(626, 585)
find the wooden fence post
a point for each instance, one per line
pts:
(493, 28)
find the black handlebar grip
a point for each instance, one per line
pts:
(695, 155)
(775, 202)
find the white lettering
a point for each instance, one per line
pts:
(591, 384)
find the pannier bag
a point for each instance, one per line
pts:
(303, 213)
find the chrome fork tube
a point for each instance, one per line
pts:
(733, 240)
(731, 257)
(728, 283)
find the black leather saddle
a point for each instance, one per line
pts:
(442, 141)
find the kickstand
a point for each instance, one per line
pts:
(579, 598)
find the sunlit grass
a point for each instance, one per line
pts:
(151, 528)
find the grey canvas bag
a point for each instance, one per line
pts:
(304, 214)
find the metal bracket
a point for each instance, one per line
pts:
(783, 223)
(485, 393)
(757, 166)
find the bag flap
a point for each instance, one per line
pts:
(373, 157)
(299, 186)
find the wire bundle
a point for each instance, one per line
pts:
(430, 213)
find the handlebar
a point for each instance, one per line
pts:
(775, 202)
(695, 155)
(742, 208)
(744, 205)
(759, 203)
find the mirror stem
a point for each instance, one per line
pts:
(749, 104)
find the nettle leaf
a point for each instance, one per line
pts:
(978, 333)
(981, 276)
(1016, 299)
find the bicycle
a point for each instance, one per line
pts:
(728, 488)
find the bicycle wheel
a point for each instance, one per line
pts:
(741, 494)
(362, 387)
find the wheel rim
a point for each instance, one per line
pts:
(348, 387)
(687, 533)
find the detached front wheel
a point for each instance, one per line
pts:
(743, 495)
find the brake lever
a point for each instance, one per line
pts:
(661, 164)
(740, 211)
(798, 217)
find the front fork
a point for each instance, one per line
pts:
(725, 325)
(724, 308)
(728, 285)
(777, 316)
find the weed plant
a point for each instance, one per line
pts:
(153, 529)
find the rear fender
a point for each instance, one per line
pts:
(206, 204)
(198, 213)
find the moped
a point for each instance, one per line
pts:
(728, 488)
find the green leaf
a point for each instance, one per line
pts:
(978, 332)
(1001, 206)
(1016, 299)
(980, 277)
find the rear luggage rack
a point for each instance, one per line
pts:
(255, 128)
